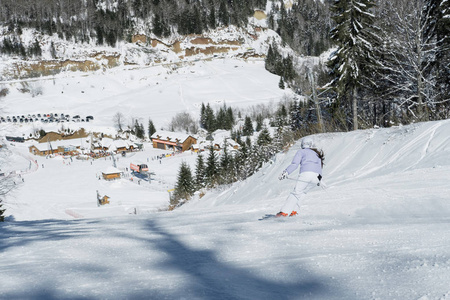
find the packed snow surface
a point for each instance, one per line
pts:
(377, 229)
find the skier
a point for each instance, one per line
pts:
(310, 161)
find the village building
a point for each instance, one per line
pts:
(175, 141)
(117, 146)
(219, 144)
(111, 173)
(64, 147)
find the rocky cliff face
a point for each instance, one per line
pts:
(65, 56)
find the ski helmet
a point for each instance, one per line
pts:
(307, 143)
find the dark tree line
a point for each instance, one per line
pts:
(279, 65)
(106, 23)
(222, 119)
(304, 27)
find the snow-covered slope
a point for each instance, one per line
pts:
(156, 93)
(378, 231)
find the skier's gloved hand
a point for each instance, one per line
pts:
(283, 175)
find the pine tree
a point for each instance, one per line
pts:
(281, 83)
(212, 168)
(230, 121)
(226, 166)
(212, 18)
(184, 188)
(264, 137)
(248, 126)
(259, 122)
(203, 116)
(209, 119)
(151, 128)
(221, 118)
(352, 64)
(200, 173)
(296, 117)
(224, 16)
(139, 130)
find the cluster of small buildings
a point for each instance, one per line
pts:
(83, 146)
(164, 140)
(176, 141)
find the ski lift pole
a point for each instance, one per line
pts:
(315, 100)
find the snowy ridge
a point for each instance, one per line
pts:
(379, 231)
(350, 157)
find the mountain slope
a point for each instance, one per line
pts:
(379, 231)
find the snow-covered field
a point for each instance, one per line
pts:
(379, 230)
(156, 93)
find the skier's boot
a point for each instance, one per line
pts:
(281, 214)
(293, 213)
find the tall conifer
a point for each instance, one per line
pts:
(352, 64)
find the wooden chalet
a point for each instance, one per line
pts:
(107, 144)
(60, 147)
(167, 140)
(111, 173)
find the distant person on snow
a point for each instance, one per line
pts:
(310, 161)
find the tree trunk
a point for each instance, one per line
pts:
(354, 97)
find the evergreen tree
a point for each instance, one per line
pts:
(296, 117)
(352, 64)
(281, 83)
(200, 173)
(212, 18)
(230, 121)
(203, 116)
(184, 187)
(100, 35)
(259, 122)
(226, 169)
(212, 168)
(224, 118)
(248, 126)
(221, 118)
(139, 130)
(157, 25)
(151, 128)
(264, 137)
(209, 119)
(224, 16)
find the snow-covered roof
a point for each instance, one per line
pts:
(56, 144)
(171, 136)
(115, 144)
(111, 170)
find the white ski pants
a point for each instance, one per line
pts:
(305, 182)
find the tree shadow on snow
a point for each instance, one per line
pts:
(209, 278)
(23, 233)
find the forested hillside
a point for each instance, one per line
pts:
(304, 26)
(107, 22)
